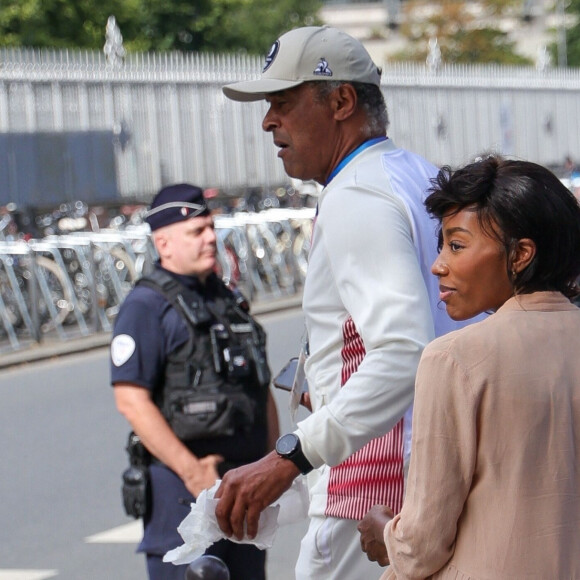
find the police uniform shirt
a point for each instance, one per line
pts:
(146, 330)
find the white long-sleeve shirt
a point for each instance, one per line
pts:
(370, 306)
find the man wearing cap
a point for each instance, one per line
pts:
(370, 301)
(189, 370)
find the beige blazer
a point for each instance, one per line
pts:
(494, 480)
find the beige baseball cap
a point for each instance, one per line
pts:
(311, 53)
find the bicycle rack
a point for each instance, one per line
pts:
(68, 302)
(51, 287)
(16, 254)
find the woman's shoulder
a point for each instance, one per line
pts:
(460, 353)
(475, 336)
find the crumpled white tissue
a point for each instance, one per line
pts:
(199, 530)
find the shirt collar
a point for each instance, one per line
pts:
(191, 282)
(352, 155)
(538, 301)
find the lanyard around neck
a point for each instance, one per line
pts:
(352, 155)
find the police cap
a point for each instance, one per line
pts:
(176, 203)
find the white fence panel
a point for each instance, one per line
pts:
(169, 121)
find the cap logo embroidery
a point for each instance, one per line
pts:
(322, 69)
(271, 55)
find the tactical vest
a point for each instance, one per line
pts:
(215, 384)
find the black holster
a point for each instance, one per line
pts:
(136, 489)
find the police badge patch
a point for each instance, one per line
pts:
(122, 347)
(271, 55)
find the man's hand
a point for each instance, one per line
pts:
(246, 491)
(372, 528)
(147, 421)
(305, 401)
(203, 474)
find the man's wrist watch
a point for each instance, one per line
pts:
(288, 447)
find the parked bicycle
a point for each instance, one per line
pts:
(68, 285)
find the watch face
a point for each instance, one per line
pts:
(286, 444)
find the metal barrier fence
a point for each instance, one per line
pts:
(165, 116)
(453, 113)
(161, 118)
(63, 287)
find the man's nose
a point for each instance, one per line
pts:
(270, 121)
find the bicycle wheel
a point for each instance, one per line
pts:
(54, 302)
(11, 313)
(115, 276)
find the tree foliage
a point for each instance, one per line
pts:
(192, 25)
(460, 36)
(572, 35)
(573, 46)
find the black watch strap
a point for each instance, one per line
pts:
(288, 447)
(300, 461)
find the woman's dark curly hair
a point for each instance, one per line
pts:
(515, 200)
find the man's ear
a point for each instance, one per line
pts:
(344, 101)
(160, 240)
(524, 253)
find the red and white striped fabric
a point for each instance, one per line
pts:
(373, 475)
(370, 306)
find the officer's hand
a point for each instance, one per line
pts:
(371, 529)
(247, 490)
(203, 474)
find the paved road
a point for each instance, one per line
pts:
(62, 455)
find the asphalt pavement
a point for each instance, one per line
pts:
(63, 453)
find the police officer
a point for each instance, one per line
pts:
(189, 370)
